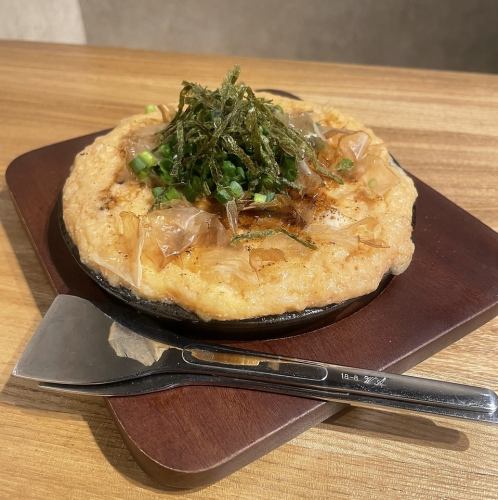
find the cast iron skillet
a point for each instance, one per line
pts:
(286, 324)
(270, 326)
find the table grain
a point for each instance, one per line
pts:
(442, 126)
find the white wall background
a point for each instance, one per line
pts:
(42, 20)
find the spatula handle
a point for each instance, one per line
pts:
(322, 377)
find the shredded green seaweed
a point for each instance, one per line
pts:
(254, 235)
(233, 147)
(229, 125)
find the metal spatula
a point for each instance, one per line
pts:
(79, 348)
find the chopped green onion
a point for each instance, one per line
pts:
(148, 158)
(229, 169)
(345, 165)
(236, 189)
(227, 143)
(164, 171)
(138, 165)
(150, 108)
(165, 194)
(259, 198)
(194, 188)
(240, 174)
(165, 150)
(158, 191)
(223, 196)
(172, 194)
(142, 162)
(289, 168)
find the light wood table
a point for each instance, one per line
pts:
(441, 126)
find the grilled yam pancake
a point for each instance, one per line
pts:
(350, 235)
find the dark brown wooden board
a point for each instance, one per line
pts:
(190, 436)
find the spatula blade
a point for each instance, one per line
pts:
(70, 346)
